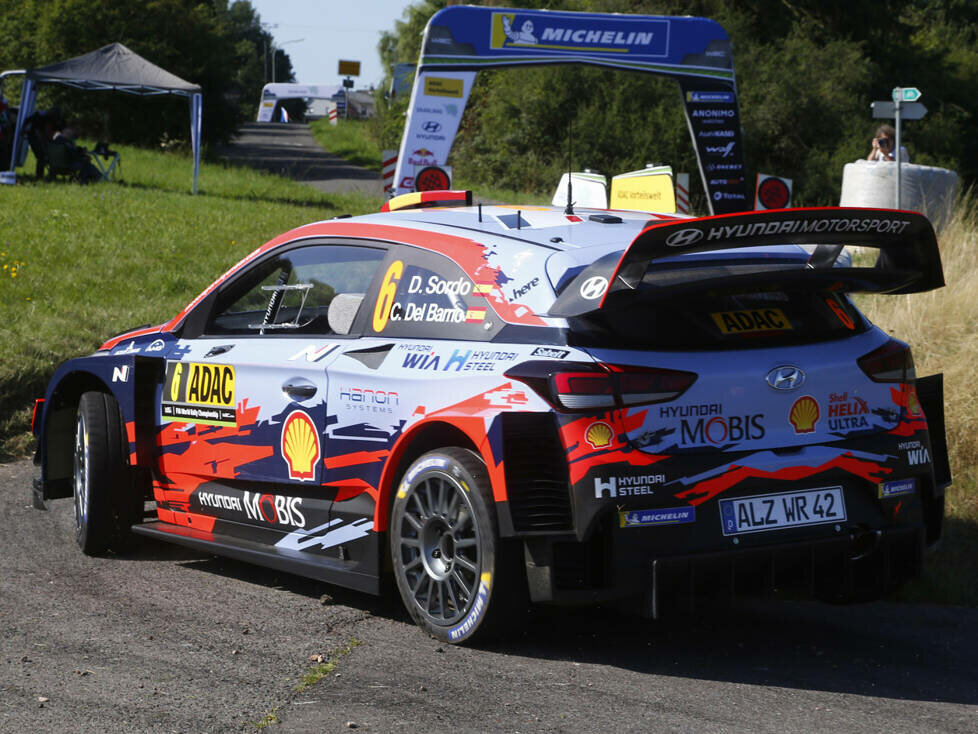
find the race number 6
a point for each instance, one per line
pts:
(385, 297)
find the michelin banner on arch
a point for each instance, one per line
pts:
(460, 40)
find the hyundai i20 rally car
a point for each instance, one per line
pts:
(496, 404)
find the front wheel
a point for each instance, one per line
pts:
(455, 576)
(105, 506)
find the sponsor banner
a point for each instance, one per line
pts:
(675, 44)
(648, 190)
(429, 132)
(896, 488)
(199, 393)
(661, 516)
(714, 121)
(870, 224)
(457, 360)
(282, 512)
(550, 353)
(614, 487)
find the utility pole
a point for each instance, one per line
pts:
(264, 64)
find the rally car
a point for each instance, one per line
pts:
(495, 405)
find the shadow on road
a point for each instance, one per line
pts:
(888, 650)
(901, 651)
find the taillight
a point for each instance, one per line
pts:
(644, 385)
(581, 386)
(38, 402)
(892, 362)
(583, 390)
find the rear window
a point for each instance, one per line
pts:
(721, 320)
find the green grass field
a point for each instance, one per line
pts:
(78, 264)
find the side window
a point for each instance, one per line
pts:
(426, 295)
(292, 293)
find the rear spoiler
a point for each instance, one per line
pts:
(909, 260)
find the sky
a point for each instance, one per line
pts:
(331, 30)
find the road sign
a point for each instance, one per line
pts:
(352, 68)
(906, 94)
(886, 110)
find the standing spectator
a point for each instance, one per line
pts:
(884, 146)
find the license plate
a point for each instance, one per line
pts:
(785, 510)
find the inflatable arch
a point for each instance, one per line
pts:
(460, 40)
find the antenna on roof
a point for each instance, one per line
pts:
(569, 209)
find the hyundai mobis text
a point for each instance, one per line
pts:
(498, 405)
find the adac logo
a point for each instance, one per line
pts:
(599, 434)
(561, 32)
(300, 446)
(804, 414)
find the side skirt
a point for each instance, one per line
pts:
(329, 570)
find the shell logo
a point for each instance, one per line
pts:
(804, 414)
(913, 404)
(599, 434)
(300, 446)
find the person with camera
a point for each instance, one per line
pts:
(884, 146)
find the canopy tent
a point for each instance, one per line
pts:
(113, 68)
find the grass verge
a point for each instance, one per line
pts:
(942, 328)
(349, 139)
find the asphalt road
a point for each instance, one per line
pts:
(167, 640)
(290, 150)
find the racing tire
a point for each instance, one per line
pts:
(105, 504)
(456, 577)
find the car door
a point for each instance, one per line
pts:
(242, 408)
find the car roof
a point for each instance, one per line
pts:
(548, 226)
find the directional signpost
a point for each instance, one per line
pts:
(903, 106)
(906, 94)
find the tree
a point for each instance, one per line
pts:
(206, 42)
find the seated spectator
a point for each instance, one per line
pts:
(884, 144)
(76, 159)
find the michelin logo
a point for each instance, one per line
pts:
(710, 97)
(621, 36)
(523, 35)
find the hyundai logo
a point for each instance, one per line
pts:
(431, 126)
(785, 377)
(594, 287)
(684, 237)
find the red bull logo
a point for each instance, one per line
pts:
(421, 157)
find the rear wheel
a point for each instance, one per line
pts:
(454, 575)
(105, 505)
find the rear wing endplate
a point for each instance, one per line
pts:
(909, 260)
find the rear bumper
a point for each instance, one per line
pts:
(855, 564)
